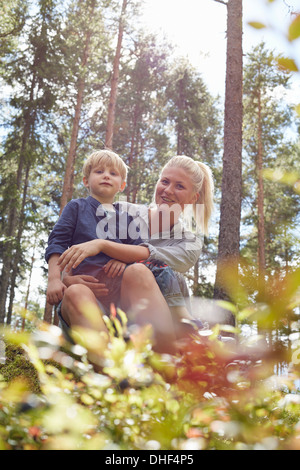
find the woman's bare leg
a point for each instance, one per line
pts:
(182, 329)
(142, 299)
(80, 308)
(81, 312)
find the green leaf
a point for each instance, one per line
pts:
(256, 24)
(294, 29)
(280, 176)
(227, 306)
(287, 64)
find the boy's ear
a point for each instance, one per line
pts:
(85, 182)
(122, 187)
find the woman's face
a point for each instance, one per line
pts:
(175, 187)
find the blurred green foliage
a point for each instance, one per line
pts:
(213, 395)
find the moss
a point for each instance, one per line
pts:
(17, 365)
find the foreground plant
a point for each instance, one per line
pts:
(211, 396)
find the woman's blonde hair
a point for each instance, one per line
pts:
(106, 158)
(202, 179)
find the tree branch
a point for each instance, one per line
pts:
(221, 1)
(13, 31)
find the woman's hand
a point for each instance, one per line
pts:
(55, 291)
(99, 289)
(74, 255)
(114, 268)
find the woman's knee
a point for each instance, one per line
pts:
(139, 275)
(75, 293)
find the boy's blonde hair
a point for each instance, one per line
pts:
(202, 180)
(106, 158)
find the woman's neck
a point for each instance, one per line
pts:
(161, 219)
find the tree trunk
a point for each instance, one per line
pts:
(29, 284)
(179, 124)
(67, 191)
(133, 154)
(196, 278)
(13, 216)
(48, 313)
(229, 235)
(260, 196)
(17, 256)
(114, 82)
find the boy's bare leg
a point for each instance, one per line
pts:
(81, 312)
(142, 299)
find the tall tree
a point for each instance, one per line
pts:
(115, 80)
(31, 79)
(140, 113)
(197, 128)
(267, 147)
(193, 112)
(87, 13)
(13, 16)
(230, 215)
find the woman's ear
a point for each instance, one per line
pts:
(195, 198)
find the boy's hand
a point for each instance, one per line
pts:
(74, 255)
(114, 268)
(99, 289)
(55, 291)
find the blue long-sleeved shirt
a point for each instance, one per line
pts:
(83, 220)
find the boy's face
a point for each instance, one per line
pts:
(104, 183)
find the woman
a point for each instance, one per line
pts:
(183, 183)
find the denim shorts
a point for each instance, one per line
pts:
(167, 282)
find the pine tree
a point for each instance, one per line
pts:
(274, 208)
(193, 112)
(115, 80)
(140, 134)
(13, 16)
(28, 73)
(230, 212)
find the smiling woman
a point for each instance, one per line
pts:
(183, 182)
(174, 187)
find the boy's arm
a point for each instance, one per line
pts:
(59, 240)
(56, 288)
(126, 253)
(72, 257)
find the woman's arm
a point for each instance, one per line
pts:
(180, 254)
(72, 257)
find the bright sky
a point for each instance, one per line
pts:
(198, 28)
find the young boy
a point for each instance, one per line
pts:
(83, 220)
